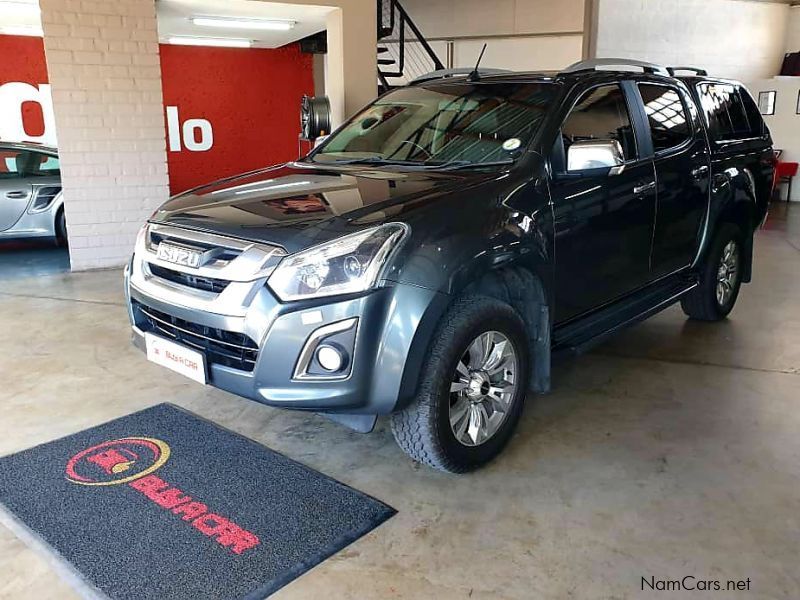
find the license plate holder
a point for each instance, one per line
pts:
(176, 357)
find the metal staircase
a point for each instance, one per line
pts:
(403, 53)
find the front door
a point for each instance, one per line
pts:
(15, 189)
(603, 217)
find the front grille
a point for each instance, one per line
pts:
(221, 347)
(223, 254)
(207, 284)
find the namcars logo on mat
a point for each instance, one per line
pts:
(132, 461)
(118, 461)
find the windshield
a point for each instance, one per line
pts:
(443, 124)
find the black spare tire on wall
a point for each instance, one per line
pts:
(315, 117)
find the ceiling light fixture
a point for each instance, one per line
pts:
(205, 41)
(267, 24)
(22, 30)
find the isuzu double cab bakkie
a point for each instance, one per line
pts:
(427, 259)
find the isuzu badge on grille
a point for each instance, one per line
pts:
(179, 255)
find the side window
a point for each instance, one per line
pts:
(601, 114)
(44, 165)
(724, 110)
(754, 117)
(8, 163)
(669, 126)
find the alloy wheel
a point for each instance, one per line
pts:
(482, 388)
(727, 273)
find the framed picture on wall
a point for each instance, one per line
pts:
(766, 102)
(797, 110)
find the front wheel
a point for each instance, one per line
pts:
(720, 278)
(471, 389)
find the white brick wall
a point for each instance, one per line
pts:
(103, 65)
(742, 39)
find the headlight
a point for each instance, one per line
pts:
(344, 266)
(141, 236)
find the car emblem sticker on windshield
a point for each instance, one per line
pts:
(511, 144)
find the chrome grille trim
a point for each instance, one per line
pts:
(228, 258)
(150, 314)
(218, 345)
(238, 268)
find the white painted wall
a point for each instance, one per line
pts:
(480, 18)
(741, 39)
(522, 35)
(548, 53)
(793, 34)
(785, 123)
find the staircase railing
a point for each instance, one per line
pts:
(403, 52)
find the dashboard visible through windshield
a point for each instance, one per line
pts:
(443, 124)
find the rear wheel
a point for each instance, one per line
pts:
(61, 228)
(720, 278)
(471, 390)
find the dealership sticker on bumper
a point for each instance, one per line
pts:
(179, 358)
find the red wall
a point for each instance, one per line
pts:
(23, 60)
(250, 96)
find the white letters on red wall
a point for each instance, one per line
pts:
(13, 97)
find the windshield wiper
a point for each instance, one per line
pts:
(371, 160)
(466, 164)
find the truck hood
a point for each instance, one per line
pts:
(299, 205)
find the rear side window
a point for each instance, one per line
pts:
(725, 111)
(753, 114)
(669, 126)
(601, 114)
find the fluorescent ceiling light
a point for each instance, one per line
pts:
(22, 30)
(268, 24)
(204, 41)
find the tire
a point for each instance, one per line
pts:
(703, 302)
(61, 229)
(423, 429)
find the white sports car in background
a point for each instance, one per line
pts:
(31, 204)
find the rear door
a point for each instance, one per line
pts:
(15, 190)
(682, 163)
(603, 217)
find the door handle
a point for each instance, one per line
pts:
(699, 172)
(16, 194)
(645, 187)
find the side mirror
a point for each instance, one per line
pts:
(596, 154)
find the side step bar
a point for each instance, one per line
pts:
(586, 332)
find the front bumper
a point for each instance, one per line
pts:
(395, 323)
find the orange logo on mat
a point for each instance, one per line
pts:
(117, 461)
(132, 460)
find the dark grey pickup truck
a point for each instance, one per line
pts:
(427, 258)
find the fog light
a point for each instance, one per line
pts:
(329, 358)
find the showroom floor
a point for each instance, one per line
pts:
(671, 450)
(31, 258)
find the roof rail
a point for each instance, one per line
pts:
(594, 64)
(444, 73)
(695, 70)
